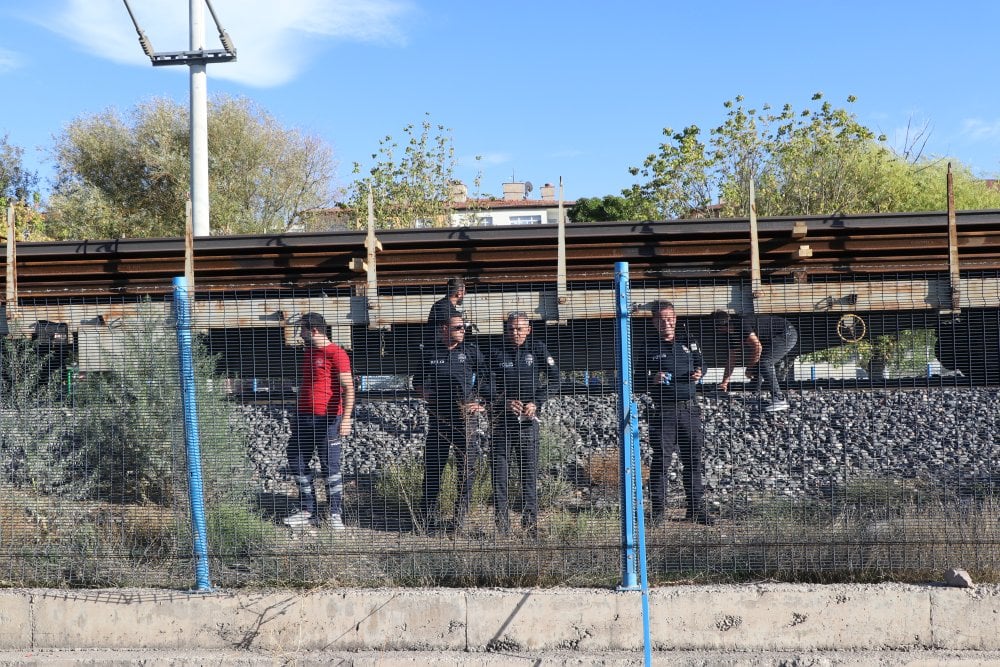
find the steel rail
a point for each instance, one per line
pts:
(876, 243)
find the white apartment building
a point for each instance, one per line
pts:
(514, 209)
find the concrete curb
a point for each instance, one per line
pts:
(760, 617)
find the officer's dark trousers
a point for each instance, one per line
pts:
(514, 438)
(443, 434)
(676, 427)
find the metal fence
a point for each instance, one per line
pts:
(883, 466)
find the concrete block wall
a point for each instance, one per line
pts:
(765, 617)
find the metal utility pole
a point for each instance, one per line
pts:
(196, 58)
(199, 124)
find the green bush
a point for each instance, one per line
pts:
(909, 351)
(402, 484)
(33, 426)
(236, 531)
(129, 441)
(554, 447)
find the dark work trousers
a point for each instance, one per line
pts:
(773, 351)
(676, 427)
(442, 435)
(320, 435)
(515, 438)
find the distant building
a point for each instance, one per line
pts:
(514, 209)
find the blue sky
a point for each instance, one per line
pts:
(540, 90)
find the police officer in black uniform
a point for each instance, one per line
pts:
(452, 378)
(667, 368)
(518, 367)
(447, 305)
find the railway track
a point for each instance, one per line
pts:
(895, 272)
(803, 246)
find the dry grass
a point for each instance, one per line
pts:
(869, 534)
(603, 468)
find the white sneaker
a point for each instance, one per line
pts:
(335, 522)
(776, 406)
(300, 519)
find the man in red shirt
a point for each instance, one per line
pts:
(323, 417)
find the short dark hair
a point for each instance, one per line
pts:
(516, 315)
(721, 318)
(455, 285)
(311, 321)
(660, 305)
(439, 318)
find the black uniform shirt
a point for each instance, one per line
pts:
(678, 359)
(440, 314)
(517, 371)
(452, 377)
(442, 311)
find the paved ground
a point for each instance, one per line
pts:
(147, 658)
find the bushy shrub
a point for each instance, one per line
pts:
(128, 441)
(33, 425)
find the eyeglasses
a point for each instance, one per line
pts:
(457, 327)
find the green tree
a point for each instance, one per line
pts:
(679, 176)
(129, 176)
(818, 160)
(16, 182)
(611, 207)
(413, 184)
(19, 186)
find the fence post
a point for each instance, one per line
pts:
(632, 519)
(192, 441)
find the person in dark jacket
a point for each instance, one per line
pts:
(448, 305)
(667, 368)
(443, 310)
(453, 378)
(523, 370)
(768, 338)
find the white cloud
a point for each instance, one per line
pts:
(274, 39)
(978, 129)
(8, 61)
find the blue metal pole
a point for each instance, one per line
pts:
(640, 514)
(192, 441)
(628, 421)
(633, 520)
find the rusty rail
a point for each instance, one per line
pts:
(839, 245)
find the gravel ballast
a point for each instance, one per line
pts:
(943, 436)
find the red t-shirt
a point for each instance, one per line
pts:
(320, 392)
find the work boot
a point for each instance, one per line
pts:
(300, 519)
